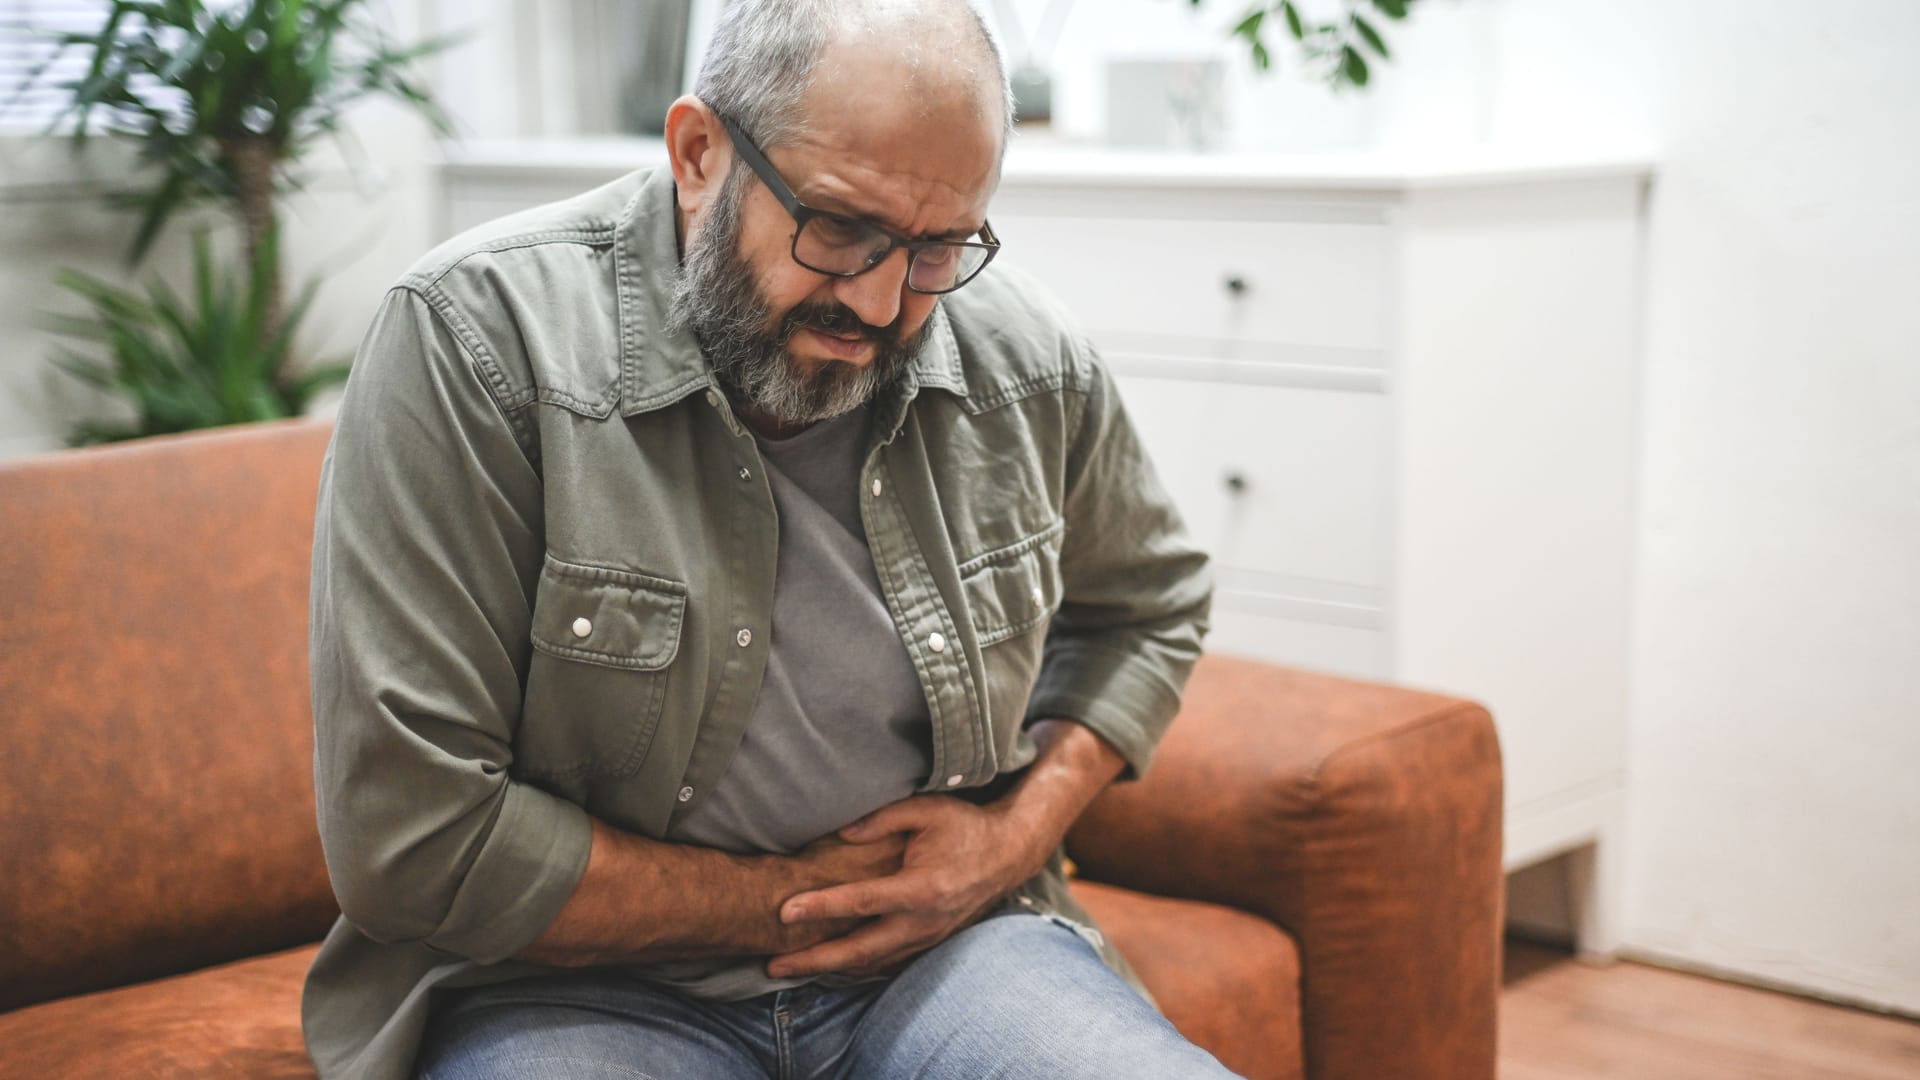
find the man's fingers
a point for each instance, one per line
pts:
(907, 815)
(857, 899)
(866, 947)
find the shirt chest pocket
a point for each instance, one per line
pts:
(1015, 589)
(1011, 595)
(604, 643)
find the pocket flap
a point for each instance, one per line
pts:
(1016, 588)
(616, 618)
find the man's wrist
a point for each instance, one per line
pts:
(1074, 765)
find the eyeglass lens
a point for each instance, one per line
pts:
(835, 245)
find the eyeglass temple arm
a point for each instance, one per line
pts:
(758, 162)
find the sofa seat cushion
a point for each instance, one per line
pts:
(1230, 981)
(236, 1020)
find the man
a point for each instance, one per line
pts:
(725, 598)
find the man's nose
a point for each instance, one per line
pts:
(875, 295)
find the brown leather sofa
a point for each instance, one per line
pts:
(1309, 879)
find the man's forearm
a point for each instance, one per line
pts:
(1073, 766)
(646, 901)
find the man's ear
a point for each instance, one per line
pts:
(698, 151)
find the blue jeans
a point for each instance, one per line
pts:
(1014, 996)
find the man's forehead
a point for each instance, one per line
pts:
(918, 194)
(912, 142)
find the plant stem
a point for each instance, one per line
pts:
(253, 161)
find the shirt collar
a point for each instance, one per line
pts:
(660, 365)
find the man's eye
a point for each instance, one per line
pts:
(838, 231)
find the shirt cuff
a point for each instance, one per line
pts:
(1113, 695)
(533, 860)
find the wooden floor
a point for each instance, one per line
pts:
(1560, 1019)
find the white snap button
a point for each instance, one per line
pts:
(1026, 901)
(713, 398)
(954, 780)
(876, 487)
(745, 474)
(744, 637)
(938, 642)
(686, 794)
(1039, 600)
(582, 626)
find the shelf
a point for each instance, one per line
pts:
(1052, 163)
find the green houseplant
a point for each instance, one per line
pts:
(1336, 47)
(192, 362)
(223, 100)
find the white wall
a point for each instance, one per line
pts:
(1282, 110)
(1773, 824)
(1774, 827)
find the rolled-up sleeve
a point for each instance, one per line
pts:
(428, 538)
(1137, 592)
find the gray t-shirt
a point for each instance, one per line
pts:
(841, 727)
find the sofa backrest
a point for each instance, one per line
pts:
(156, 740)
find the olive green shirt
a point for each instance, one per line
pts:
(543, 578)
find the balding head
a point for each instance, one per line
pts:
(889, 117)
(780, 67)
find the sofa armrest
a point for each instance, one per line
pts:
(1363, 819)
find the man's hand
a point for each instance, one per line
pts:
(835, 860)
(960, 860)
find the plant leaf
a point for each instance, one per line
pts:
(1353, 66)
(1371, 36)
(160, 207)
(85, 368)
(89, 434)
(1294, 25)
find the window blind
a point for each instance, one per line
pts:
(25, 47)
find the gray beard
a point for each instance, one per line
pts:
(715, 296)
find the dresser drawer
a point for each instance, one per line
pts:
(1279, 481)
(1216, 288)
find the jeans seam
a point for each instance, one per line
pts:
(782, 1049)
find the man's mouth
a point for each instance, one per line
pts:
(845, 346)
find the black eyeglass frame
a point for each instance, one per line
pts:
(802, 213)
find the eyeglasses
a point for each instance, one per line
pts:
(829, 243)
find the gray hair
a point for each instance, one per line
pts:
(760, 61)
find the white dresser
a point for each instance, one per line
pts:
(1395, 399)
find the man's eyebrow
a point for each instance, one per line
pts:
(959, 234)
(838, 207)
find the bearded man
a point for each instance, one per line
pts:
(728, 589)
